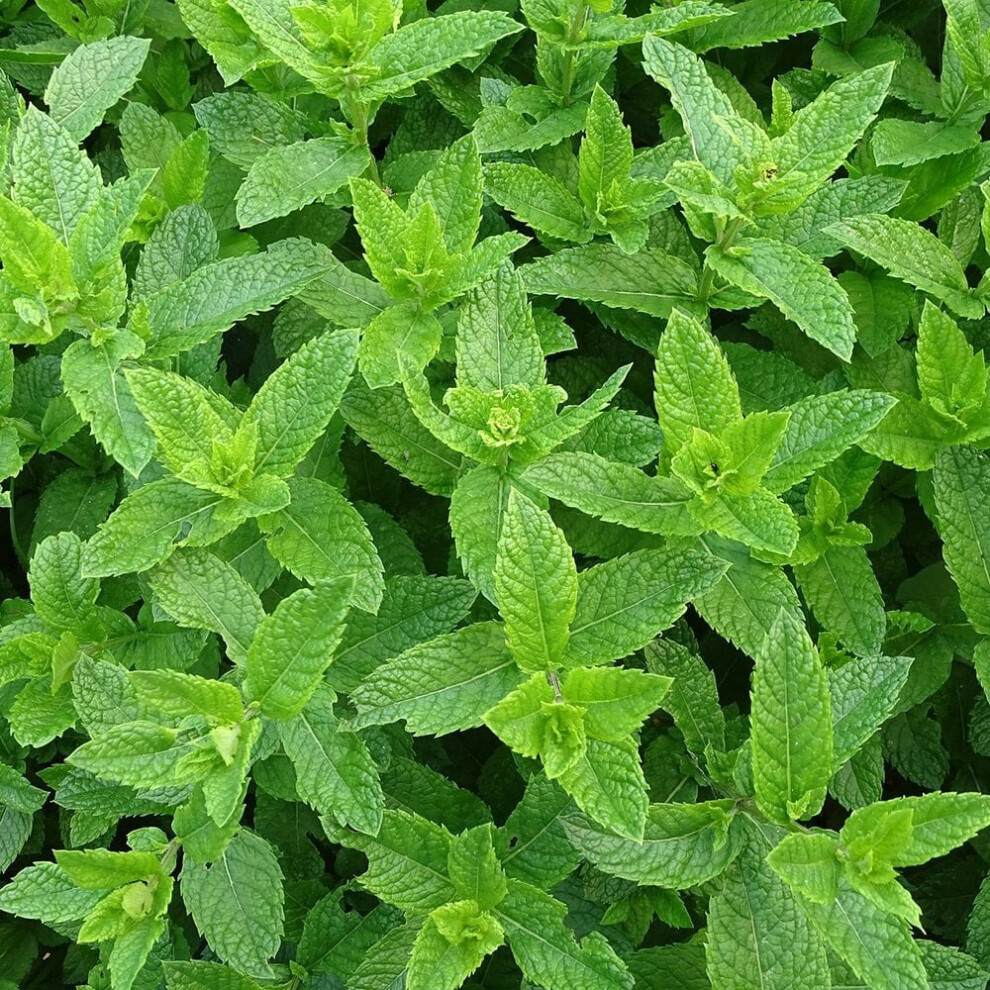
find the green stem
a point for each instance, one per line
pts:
(723, 243)
(572, 37)
(14, 539)
(555, 684)
(358, 113)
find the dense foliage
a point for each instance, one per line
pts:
(498, 494)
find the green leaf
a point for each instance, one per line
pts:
(214, 297)
(823, 133)
(91, 79)
(201, 591)
(693, 696)
(475, 869)
(63, 598)
(961, 479)
(497, 340)
(842, 592)
(536, 584)
(532, 845)
(237, 903)
(320, 536)
(864, 694)
(197, 975)
(820, 428)
(453, 188)
(607, 783)
(801, 288)
(428, 46)
(743, 606)
(876, 945)
(682, 845)
(623, 603)
(62, 193)
(611, 491)
(293, 647)
(335, 773)
(545, 948)
(442, 685)
(758, 21)
(140, 754)
(407, 861)
(606, 151)
(694, 385)
(288, 177)
(44, 890)
(293, 407)
(651, 281)
(758, 936)
(146, 526)
(913, 255)
(538, 200)
(702, 105)
(791, 724)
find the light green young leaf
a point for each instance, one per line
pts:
(615, 700)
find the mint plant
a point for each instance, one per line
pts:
(496, 495)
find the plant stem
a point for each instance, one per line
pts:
(724, 242)
(574, 30)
